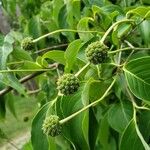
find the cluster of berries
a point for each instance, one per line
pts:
(51, 126)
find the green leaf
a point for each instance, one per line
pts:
(106, 141)
(84, 25)
(66, 20)
(10, 79)
(57, 5)
(10, 99)
(145, 32)
(93, 129)
(97, 89)
(2, 108)
(85, 92)
(30, 65)
(114, 37)
(141, 11)
(21, 55)
(132, 138)
(77, 125)
(122, 112)
(4, 53)
(144, 124)
(27, 146)
(71, 54)
(55, 55)
(137, 74)
(38, 139)
(34, 29)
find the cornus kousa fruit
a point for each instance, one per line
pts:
(27, 43)
(68, 84)
(96, 53)
(51, 126)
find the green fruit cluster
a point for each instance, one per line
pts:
(68, 84)
(96, 53)
(51, 126)
(27, 43)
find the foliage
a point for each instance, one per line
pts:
(111, 108)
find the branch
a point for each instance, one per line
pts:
(50, 48)
(25, 79)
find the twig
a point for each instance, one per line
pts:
(25, 79)
(34, 91)
(50, 48)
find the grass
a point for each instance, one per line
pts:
(13, 127)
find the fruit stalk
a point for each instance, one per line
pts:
(88, 106)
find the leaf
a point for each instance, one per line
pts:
(1, 40)
(114, 37)
(122, 112)
(34, 29)
(97, 89)
(144, 124)
(38, 139)
(10, 79)
(93, 129)
(55, 55)
(137, 74)
(21, 55)
(132, 138)
(57, 5)
(2, 108)
(141, 11)
(71, 54)
(30, 65)
(77, 125)
(85, 92)
(27, 146)
(65, 19)
(106, 141)
(42, 62)
(10, 99)
(84, 25)
(145, 32)
(6, 49)
(4, 53)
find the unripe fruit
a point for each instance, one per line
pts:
(51, 126)
(68, 84)
(96, 53)
(27, 43)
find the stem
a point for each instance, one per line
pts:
(29, 70)
(82, 69)
(14, 63)
(111, 27)
(127, 48)
(133, 101)
(88, 106)
(51, 48)
(129, 44)
(34, 91)
(98, 71)
(136, 25)
(63, 30)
